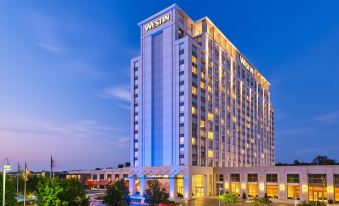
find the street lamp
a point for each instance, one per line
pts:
(6, 168)
(220, 188)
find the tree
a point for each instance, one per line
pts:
(117, 194)
(323, 160)
(60, 192)
(229, 198)
(10, 191)
(154, 194)
(296, 162)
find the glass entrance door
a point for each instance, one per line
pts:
(199, 191)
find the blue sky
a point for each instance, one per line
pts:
(64, 74)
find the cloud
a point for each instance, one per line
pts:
(50, 47)
(119, 93)
(84, 129)
(295, 131)
(330, 118)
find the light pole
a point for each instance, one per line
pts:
(6, 168)
(220, 188)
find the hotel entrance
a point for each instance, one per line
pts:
(198, 185)
(317, 194)
(317, 187)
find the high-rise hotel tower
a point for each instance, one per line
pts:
(197, 102)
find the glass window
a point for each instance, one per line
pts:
(194, 110)
(317, 179)
(271, 177)
(181, 109)
(181, 78)
(252, 177)
(182, 88)
(272, 191)
(181, 98)
(292, 178)
(182, 119)
(194, 90)
(235, 177)
(181, 57)
(181, 46)
(181, 140)
(253, 190)
(293, 192)
(181, 67)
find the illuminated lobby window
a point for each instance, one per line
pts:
(272, 185)
(252, 190)
(272, 191)
(336, 188)
(235, 184)
(198, 185)
(252, 180)
(293, 192)
(317, 187)
(180, 184)
(293, 187)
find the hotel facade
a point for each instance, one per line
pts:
(202, 119)
(197, 102)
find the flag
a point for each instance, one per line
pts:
(26, 172)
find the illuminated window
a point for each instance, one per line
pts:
(194, 141)
(180, 184)
(202, 75)
(235, 188)
(209, 88)
(181, 140)
(222, 121)
(194, 90)
(210, 135)
(202, 123)
(293, 191)
(194, 70)
(272, 191)
(210, 153)
(194, 110)
(210, 116)
(202, 85)
(317, 193)
(182, 119)
(336, 193)
(253, 190)
(194, 59)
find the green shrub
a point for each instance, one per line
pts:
(229, 198)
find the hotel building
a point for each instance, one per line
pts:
(197, 101)
(202, 119)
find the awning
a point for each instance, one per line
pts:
(91, 183)
(104, 182)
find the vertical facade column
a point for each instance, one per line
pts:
(243, 185)
(187, 185)
(330, 184)
(173, 188)
(205, 185)
(304, 185)
(262, 182)
(131, 181)
(142, 185)
(282, 184)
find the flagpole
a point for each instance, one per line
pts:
(25, 193)
(17, 184)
